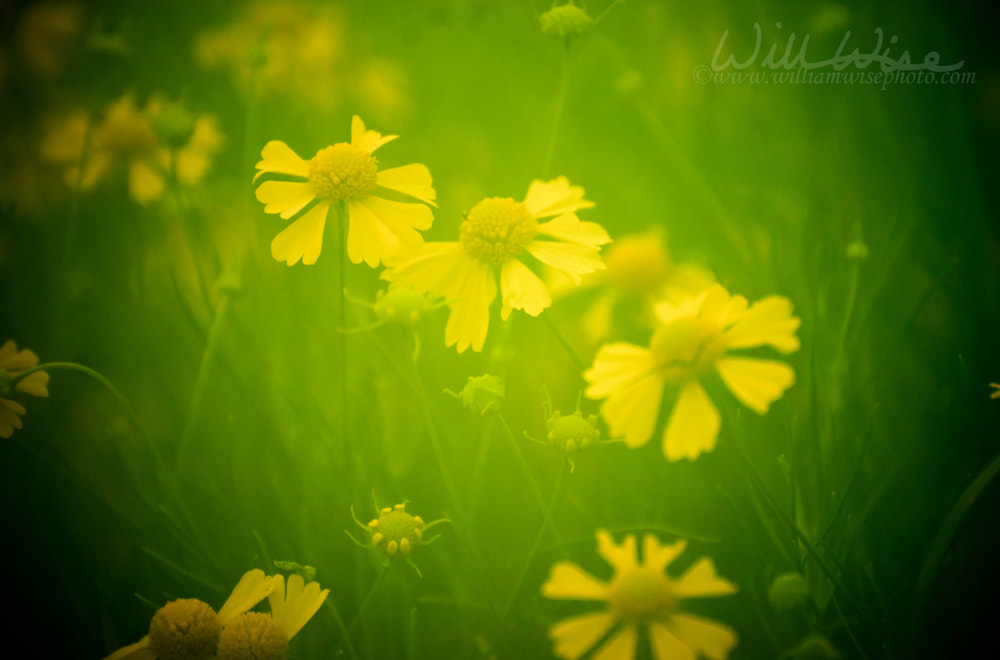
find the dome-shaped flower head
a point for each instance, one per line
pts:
(494, 237)
(347, 174)
(13, 362)
(639, 595)
(189, 629)
(694, 340)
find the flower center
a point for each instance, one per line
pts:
(185, 629)
(497, 229)
(641, 595)
(253, 636)
(686, 348)
(396, 531)
(342, 171)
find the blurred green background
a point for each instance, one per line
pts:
(179, 301)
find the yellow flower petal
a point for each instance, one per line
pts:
(688, 307)
(252, 588)
(567, 580)
(145, 183)
(768, 321)
(522, 289)
(303, 239)
(702, 580)
(555, 197)
(621, 646)
(13, 360)
(694, 424)
(284, 197)
(469, 318)
(575, 636)
(365, 139)
(293, 605)
(721, 306)
(569, 228)
(615, 366)
(757, 383)
(656, 556)
(35, 384)
(413, 180)
(278, 157)
(620, 557)
(708, 638)
(435, 267)
(381, 229)
(194, 158)
(666, 646)
(571, 258)
(10, 417)
(138, 651)
(631, 410)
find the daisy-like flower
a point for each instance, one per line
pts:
(127, 135)
(346, 173)
(494, 236)
(693, 340)
(189, 629)
(13, 362)
(639, 594)
(257, 636)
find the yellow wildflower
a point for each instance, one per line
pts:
(693, 340)
(346, 173)
(127, 135)
(995, 394)
(257, 636)
(13, 362)
(188, 629)
(639, 595)
(495, 235)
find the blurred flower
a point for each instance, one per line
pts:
(188, 629)
(257, 636)
(128, 135)
(495, 233)
(382, 88)
(995, 394)
(572, 433)
(279, 50)
(396, 532)
(693, 340)
(12, 363)
(639, 594)
(348, 173)
(566, 20)
(482, 394)
(45, 34)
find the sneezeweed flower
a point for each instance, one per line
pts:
(189, 629)
(345, 174)
(995, 394)
(569, 433)
(694, 340)
(12, 363)
(482, 394)
(396, 532)
(640, 595)
(127, 136)
(495, 236)
(259, 636)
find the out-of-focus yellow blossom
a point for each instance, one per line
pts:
(639, 595)
(45, 34)
(188, 629)
(12, 363)
(257, 636)
(347, 174)
(694, 339)
(995, 394)
(495, 235)
(280, 49)
(126, 135)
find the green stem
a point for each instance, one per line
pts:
(356, 619)
(74, 210)
(341, 224)
(561, 338)
(339, 620)
(550, 150)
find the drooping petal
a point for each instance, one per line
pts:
(278, 157)
(194, 158)
(365, 139)
(35, 384)
(577, 635)
(555, 197)
(657, 556)
(632, 410)
(707, 638)
(694, 423)
(522, 289)
(621, 557)
(567, 580)
(252, 588)
(292, 605)
(284, 197)
(702, 580)
(141, 650)
(10, 417)
(303, 239)
(376, 233)
(666, 646)
(14, 360)
(569, 228)
(615, 366)
(145, 182)
(469, 318)
(768, 321)
(757, 383)
(436, 267)
(721, 306)
(686, 308)
(413, 180)
(621, 646)
(571, 258)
